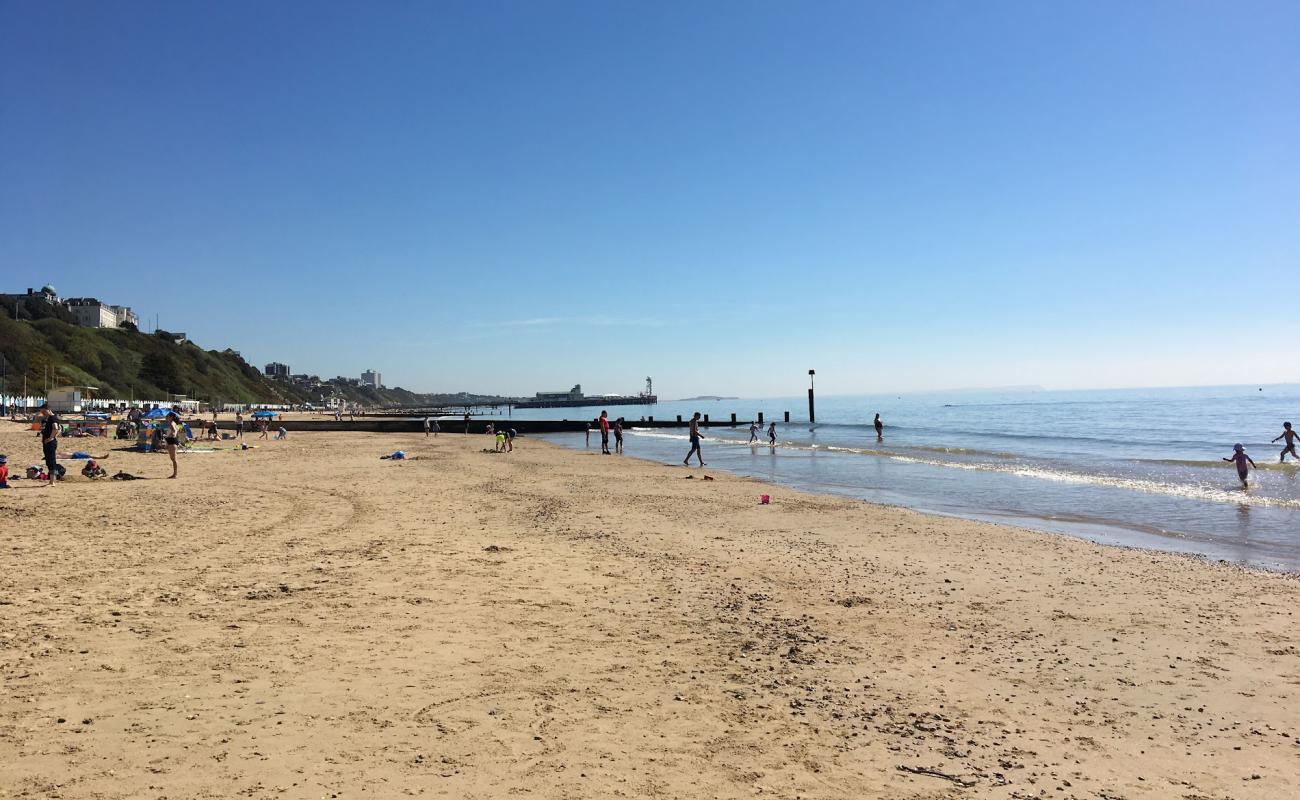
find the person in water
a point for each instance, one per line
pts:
(618, 435)
(880, 429)
(771, 434)
(695, 442)
(753, 432)
(1290, 437)
(1240, 458)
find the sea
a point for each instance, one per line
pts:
(1133, 467)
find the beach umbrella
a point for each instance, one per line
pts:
(157, 413)
(263, 414)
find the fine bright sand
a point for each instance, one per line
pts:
(305, 620)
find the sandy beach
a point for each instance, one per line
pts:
(306, 620)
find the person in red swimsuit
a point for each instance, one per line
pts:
(604, 432)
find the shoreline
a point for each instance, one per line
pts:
(1113, 532)
(305, 619)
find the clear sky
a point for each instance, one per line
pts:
(514, 196)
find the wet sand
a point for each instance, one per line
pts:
(305, 620)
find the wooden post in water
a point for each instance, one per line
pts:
(812, 416)
(760, 418)
(787, 416)
(706, 419)
(679, 419)
(650, 419)
(733, 418)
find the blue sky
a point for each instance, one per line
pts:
(516, 196)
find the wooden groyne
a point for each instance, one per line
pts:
(479, 425)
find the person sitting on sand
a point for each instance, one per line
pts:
(4, 472)
(1240, 458)
(1290, 437)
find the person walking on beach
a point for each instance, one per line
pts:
(171, 435)
(49, 441)
(604, 433)
(753, 432)
(1240, 458)
(1290, 437)
(427, 423)
(466, 422)
(880, 429)
(618, 435)
(771, 434)
(695, 441)
(588, 434)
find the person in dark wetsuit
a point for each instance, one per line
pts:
(880, 429)
(618, 435)
(50, 441)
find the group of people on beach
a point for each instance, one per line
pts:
(603, 423)
(1245, 463)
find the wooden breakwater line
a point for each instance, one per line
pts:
(523, 426)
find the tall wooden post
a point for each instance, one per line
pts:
(812, 415)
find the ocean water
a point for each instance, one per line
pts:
(1132, 467)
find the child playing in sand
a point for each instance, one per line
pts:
(1290, 437)
(1240, 458)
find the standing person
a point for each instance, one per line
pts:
(171, 435)
(771, 434)
(1290, 437)
(695, 442)
(466, 422)
(264, 426)
(589, 434)
(435, 429)
(753, 432)
(618, 435)
(604, 432)
(880, 429)
(1240, 458)
(427, 424)
(239, 424)
(510, 440)
(50, 441)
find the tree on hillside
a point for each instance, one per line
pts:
(159, 368)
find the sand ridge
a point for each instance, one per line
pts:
(305, 620)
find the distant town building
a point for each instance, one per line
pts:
(573, 394)
(372, 379)
(277, 370)
(87, 312)
(23, 302)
